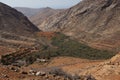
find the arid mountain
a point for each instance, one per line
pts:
(12, 21)
(38, 18)
(26, 53)
(28, 11)
(94, 22)
(15, 28)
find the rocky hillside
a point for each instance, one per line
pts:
(38, 18)
(93, 22)
(12, 21)
(15, 28)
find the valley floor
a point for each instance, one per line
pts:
(69, 65)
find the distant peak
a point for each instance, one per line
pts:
(48, 8)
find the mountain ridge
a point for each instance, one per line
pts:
(92, 22)
(43, 15)
(29, 12)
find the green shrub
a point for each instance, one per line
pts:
(69, 47)
(64, 46)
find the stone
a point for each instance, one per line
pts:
(40, 73)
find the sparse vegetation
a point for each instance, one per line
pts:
(68, 47)
(63, 46)
(59, 72)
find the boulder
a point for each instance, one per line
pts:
(40, 73)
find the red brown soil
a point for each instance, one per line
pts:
(47, 35)
(69, 65)
(7, 74)
(100, 69)
(4, 50)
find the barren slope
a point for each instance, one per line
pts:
(43, 15)
(15, 28)
(101, 69)
(15, 22)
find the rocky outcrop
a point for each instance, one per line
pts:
(115, 60)
(107, 70)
